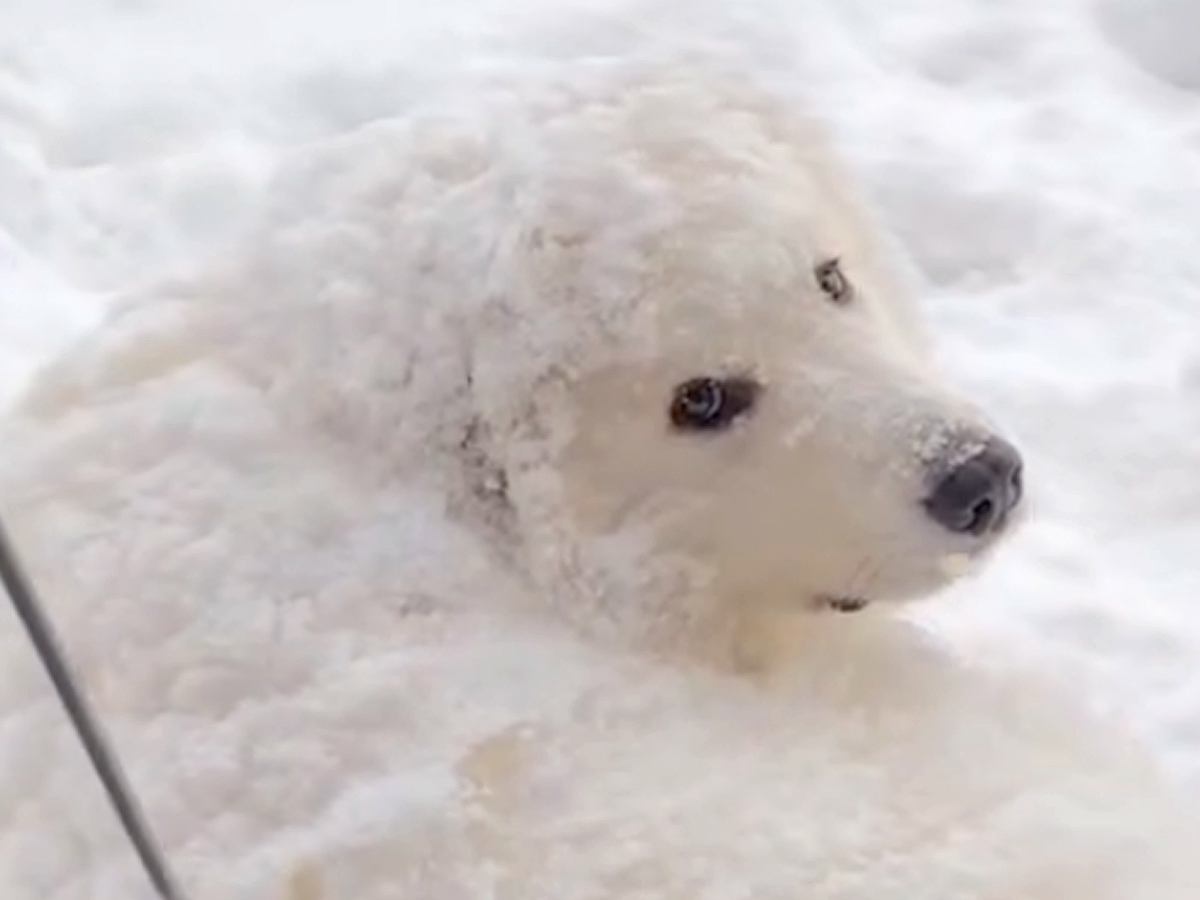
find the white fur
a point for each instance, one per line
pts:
(288, 513)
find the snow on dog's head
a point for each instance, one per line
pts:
(641, 326)
(703, 376)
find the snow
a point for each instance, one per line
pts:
(1039, 161)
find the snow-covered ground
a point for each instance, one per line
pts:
(1039, 160)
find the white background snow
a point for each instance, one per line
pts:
(1040, 159)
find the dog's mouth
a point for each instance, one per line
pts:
(844, 604)
(944, 569)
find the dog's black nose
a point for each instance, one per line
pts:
(977, 495)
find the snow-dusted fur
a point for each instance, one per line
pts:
(372, 541)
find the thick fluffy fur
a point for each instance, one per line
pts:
(314, 522)
(509, 301)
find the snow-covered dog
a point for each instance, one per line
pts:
(613, 345)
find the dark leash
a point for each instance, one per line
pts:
(87, 727)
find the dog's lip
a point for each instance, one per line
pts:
(844, 604)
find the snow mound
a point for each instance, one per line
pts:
(1158, 35)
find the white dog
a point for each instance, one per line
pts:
(623, 333)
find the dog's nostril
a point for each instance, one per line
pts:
(981, 516)
(975, 496)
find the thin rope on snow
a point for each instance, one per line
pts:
(87, 727)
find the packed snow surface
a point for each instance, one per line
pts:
(1040, 162)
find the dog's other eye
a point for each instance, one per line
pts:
(708, 403)
(833, 281)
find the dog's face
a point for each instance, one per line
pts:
(764, 422)
(793, 447)
(701, 377)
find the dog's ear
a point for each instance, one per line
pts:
(486, 494)
(485, 473)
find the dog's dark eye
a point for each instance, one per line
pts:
(833, 281)
(707, 403)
